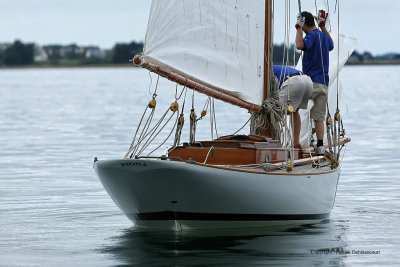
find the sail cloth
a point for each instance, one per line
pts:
(220, 43)
(337, 58)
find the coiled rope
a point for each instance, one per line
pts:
(272, 109)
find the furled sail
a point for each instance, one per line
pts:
(216, 43)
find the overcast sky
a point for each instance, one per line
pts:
(375, 24)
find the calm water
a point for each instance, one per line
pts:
(54, 211)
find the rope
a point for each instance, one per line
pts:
(192, 134)
(272, 108)
(211, 120)
(151, 82)
(155, 89)
(288, 129)
(193, 117)
(134, 138)
(165, 140)
(205, 107)
(146, 133)
(329, 130)
(180, 95)
(243, 126)
(291, 142)
(153, 134)
(337, 85)
(148, 121)
(299, 3)
(181, 122)
(140, 139)
(214, 119)
(178, 133)
(209, 151)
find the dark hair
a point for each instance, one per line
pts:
(309, 18)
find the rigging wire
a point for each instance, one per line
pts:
(337, 6)
(288, 129)
(329, 130)
(211, 119)
(214, 119)
(148, 134)
(151, 82)
(153, 131)
(165, 140)
(299, 3)
(153, 135)
(337, 115)
(316, 7)
(147, 124)
(137, 130)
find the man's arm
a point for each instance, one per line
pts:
(299, 32)
(321, 19)
(323, 29)
(299, 39)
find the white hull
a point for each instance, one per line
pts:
(179, 195)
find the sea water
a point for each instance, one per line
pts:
(55, 212)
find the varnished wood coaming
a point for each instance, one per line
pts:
(240, 150)
(232, 152)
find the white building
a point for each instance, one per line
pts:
(94, 52)
(39, 55)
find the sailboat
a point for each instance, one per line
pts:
(222, 49)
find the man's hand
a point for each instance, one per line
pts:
(299, 22)
(321, 18)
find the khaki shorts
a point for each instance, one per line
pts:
(296, 91)
(320, 97)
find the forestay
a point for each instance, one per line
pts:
(220, 43)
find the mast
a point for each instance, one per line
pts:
(267, 58)
(266, 49)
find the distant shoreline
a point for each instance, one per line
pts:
(68, 66)
(377, 62)
(371, 63)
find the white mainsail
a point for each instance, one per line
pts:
(220, 43)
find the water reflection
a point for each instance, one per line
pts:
(290, 245)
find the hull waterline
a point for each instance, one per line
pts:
(179, 195)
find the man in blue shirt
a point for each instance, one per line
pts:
(295, 90)
(316, 46)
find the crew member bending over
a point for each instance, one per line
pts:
(295, 90)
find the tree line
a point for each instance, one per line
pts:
(19, 54)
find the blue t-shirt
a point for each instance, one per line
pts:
(282, 71)
(314, 65)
